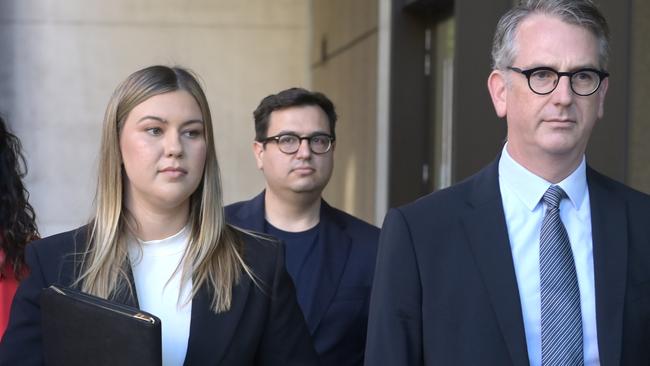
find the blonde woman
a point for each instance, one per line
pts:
(158, 241)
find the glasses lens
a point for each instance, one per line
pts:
(585, 82)
(543, 81)
(288, 143)
(319, 144)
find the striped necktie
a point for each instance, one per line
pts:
(561, 317)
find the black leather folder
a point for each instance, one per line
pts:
(81, 329)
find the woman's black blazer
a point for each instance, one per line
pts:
(264, 325)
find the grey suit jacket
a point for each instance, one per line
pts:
(445, 290)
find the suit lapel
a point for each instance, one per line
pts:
(609, 236)
(486, 229)
(334, 245)
(211, 334)
(71, 268)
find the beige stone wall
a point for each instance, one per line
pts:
(346, 70)
(639, 137)
(60, 61)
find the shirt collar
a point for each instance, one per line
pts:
(530, 188)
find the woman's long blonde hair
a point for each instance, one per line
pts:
(214, 256)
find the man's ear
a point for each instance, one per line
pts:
(498, 87)
(258, 151)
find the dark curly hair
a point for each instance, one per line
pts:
(17, 218)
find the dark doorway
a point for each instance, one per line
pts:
(439, 64)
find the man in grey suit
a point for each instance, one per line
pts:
(537, 259)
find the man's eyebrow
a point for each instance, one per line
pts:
(288, 132)
(575, 68)
(586, 66)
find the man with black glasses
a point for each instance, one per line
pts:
(537, 259)
(330, 255)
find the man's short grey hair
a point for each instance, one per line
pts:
(583, 13)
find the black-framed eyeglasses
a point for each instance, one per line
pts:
(289, 143)
(543, 80)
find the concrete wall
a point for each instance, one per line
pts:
(344, 59)
(639, 133)
(61, 60)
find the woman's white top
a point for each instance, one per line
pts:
(154, 263)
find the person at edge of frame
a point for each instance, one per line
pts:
(17, 220)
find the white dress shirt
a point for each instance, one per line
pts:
(521, 192)
(158, 286)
